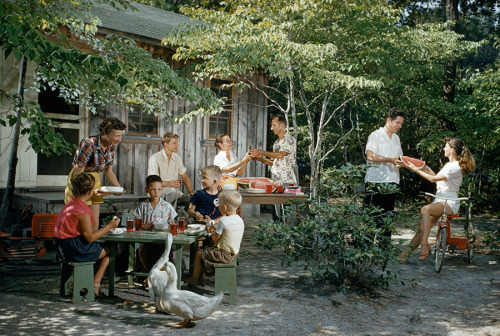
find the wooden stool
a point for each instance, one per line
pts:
(81, 274)
(225, 279)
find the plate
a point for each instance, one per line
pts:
(256, 191)
(190, 232)
(108, 189)
(196, 227)
(117, 231)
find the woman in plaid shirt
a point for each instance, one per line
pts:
(96, 154)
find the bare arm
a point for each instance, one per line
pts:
(371, 156)
(85, 227)
(187, 183)
(240, 166)
(272, 155)
(211, 229)
(428, 174)
(192, 212)
(110, 175)
(268, 162)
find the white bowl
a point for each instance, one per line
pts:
(228, 187)
(161, 226)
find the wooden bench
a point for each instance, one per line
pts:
(77, 280)
(225, 279)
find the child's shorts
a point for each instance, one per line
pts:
(213, 255)
(78, 249)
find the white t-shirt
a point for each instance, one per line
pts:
(231, 229)
(221, 161)
(453, 175)
(380, 144)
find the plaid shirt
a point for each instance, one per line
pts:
(91, 155)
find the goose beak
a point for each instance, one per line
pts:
(162, 269)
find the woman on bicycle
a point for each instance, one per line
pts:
(448, 181)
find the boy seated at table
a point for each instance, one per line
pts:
(154, 210)
(204, 205)
(227, 235)
(75, 239)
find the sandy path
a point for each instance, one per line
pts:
(464, 299)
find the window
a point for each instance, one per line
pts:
(221, 123)
(68, 117)
(140, 122)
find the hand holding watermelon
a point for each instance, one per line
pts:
(412, 163)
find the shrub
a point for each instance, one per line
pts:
(334, 235)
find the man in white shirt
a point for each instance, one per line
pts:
(169, 166)
(383, 151)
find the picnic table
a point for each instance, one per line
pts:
(273, 198)
(151, 237)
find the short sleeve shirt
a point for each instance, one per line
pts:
(381, 144)
(163, 212)
(453, 175)
(221, 161)
(283, 170)
(91, 155)
(206, 204)
(67, 221)
(167, 169)
(231, 229)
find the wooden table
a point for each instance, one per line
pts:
(151, 237)
(250, 198)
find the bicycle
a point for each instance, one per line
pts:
(444, 241)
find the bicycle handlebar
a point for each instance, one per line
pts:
(445, 198)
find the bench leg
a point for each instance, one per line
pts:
(83, 282)
(225, 279)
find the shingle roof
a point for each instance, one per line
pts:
(145, 21)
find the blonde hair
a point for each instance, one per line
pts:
(167, 136)
(231, 198)
(212, 172)
(465, 159)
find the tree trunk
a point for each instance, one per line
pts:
(450, 68)
(11, 177)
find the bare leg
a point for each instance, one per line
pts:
(198, 268)
(103, 265)
(96, 209)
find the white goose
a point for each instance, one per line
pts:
(157, 278)
(183, 303)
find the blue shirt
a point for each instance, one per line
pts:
(206, 204)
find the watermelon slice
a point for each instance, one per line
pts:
(419, 164)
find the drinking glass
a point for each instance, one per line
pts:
(130, 225)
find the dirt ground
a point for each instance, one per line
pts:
(464, 299)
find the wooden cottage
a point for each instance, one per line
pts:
(244, 117)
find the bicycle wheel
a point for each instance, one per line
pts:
(440, 249)
(468, 257)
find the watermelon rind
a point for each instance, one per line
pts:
(422, 166)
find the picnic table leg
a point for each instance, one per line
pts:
(112, 265)
(178, 263)
(131, 263)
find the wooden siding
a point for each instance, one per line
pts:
(249, 128)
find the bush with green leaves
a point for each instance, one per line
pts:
(334, 236)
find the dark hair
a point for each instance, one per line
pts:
(153, 178)
(394, 112)
(281, 119)
(167, 136)
(219, 138)
(82, 184)
(465, 159)
(110, 124)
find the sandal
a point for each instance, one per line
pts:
(424, 252)
(403, 255)
(99, 295)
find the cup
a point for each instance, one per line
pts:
(180, 183)
(130, 225)
(181, 221)
(269, 188)
(173, 228)
(138, 224)
(279, 189)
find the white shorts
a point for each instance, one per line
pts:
(454, 205)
